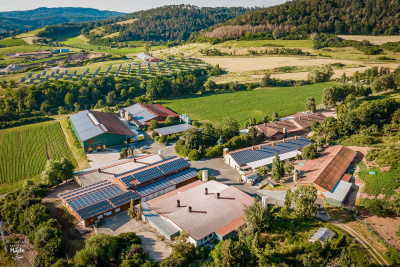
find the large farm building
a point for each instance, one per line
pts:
(97, 130)
(141, 114)
(110, 189)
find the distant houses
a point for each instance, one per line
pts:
(148, 58)
(297, 124)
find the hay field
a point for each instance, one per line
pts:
(129, 21)
(243, 105)
(376, 40)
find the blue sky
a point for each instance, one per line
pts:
(126, 6)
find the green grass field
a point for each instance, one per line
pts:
(244, 105)
(12, 42)
(24, 150)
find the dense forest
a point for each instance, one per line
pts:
(167, 23)
(297, 19)
(40, 17)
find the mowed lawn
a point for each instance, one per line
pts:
(244, 105)
(24, 150)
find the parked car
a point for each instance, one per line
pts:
(166, 144)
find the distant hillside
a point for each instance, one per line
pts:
(40, 17)
(297, 19)
(167, 23)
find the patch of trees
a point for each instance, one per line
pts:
(279, 51)
(321, 40)
(106, 250)
(298, 19)
(365, 118)
(391, 46)
(25, 214)
(212, 139)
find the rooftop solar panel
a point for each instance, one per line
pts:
(154, 187)
(246, 156)
(173, 129)
(182, 176)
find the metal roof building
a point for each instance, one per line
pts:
(112, 187)
(205, 210)
(141, 114)
(97, 130)
(179, 128)
(322, 235)
(326, 172)
(260, 155)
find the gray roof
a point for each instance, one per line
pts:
(173, 129)
(340, 192)
(161, 223)
(322, 234)
(209, 213)
(84, 125)
(140, 113)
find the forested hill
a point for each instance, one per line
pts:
(167, 23)
(40, 17)
(301, 17)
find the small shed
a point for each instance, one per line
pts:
(338, 194)
(322, 235)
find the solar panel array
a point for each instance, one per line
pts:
(124, 198)
(173, 129)
(84, 126)
(183, 176)
(247, 156)
(97, 198)
(154, 187)
(151, 172)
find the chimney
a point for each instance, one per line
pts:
(204, 176)
(265, 124)
(284, 140)
(264, 202)
(295, 176)
(273, 143)
(178, 203)
(284, 130)
(259, 146)
(217, 195)
(190, 208)
(134, 160)
(308, 115)
(206, 191)
(99, 170)
(252, 148)
(299, 117)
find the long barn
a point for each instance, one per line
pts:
(97, 130)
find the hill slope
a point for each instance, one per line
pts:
(173, 22)
(40, 17)
(299, 18)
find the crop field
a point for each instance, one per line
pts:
(244, 105)
(376, 40)
(24, 150)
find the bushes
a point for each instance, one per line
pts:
(380, 183)
(194, 155)
(23, 121)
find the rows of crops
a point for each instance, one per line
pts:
(244, 105)
(25, 150)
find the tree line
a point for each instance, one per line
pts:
(298, 19)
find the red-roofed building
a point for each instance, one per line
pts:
(141, 114)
